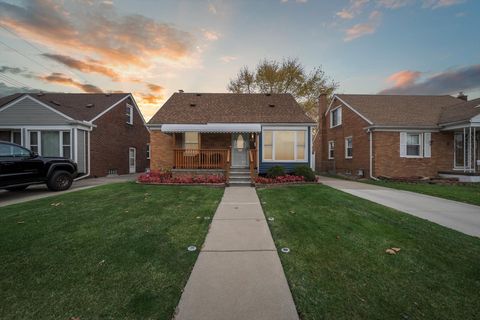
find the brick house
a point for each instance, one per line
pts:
(399, 136)
(104, 133)
(238, 135)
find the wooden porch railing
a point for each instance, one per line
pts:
(252, 159)
(201, 158)
(227, 167)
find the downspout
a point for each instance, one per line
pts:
(371, 156)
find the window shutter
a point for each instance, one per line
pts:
(427, 144)
(403, 144)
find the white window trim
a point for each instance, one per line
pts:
(60, 141)
(273, 130)
(130, 114)
(420, 149)
(339, 118)
(330, 149)
(346, 148)
(148, 151)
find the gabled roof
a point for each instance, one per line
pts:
(79, 106)
(461, 112)
(198, 108)
(400, 110)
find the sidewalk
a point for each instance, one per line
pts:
(455, 215)
(238, 274)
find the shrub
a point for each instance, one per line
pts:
(305, 171)
(280, 179)
(166, 177)
(275, 171)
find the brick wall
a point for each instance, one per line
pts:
(389, 163)
(112, 138)
(161, 150)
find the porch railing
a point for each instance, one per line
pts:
(252, 160)
(201, 158)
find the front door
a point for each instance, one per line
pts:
(240, 145)
(132, 160)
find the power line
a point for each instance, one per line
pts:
(13, 82)
(27, 57)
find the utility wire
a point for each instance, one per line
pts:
(11, 80)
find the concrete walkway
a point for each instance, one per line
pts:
(238, 274)
(41, 191)
(451, 214)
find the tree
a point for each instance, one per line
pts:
(288, 76)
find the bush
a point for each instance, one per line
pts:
(167, 178)
(275, 171)
(280, 179)
(306, 172)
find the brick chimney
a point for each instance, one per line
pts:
(462, 96)
(322, 106)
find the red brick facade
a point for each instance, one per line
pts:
(385, 149)
(111, 139)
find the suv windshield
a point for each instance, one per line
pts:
(9, 151)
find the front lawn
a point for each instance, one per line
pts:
(338, 269)
(469, 193)
(112, 252)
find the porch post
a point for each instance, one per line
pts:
(475, 149)
(464, 150)
(470, 149)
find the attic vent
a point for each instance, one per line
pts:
(108, 94)
(40, 94)
(55, 102)
(268, 94)
(90, 105)
(199, 94)
(271, 105)
(192, 104)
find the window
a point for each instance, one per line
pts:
(9, 151)
(129, 114)
(34, 141)
(460, 143)
(16, 137)
(191, 140)
(50, 143)
(66, 145)
(331, 150)
(349, 148)
(336, 117)
(148, 150)
(413, 144)
(283, 145)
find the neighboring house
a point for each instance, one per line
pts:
(104, 133)
(399, 136)
(201, 132)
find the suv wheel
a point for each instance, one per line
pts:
(19, 188)
(60, 180)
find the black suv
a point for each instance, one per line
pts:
(20, 167)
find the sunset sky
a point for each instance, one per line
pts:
(153, 48)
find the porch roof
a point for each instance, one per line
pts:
(212, 127)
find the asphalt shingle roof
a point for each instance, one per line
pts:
(461, 112)
(198, 108)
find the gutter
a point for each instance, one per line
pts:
(371, 156)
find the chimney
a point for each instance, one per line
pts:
(462, 96)
(322, 105)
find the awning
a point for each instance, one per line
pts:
(212, 127)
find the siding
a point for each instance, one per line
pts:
(289, 166)
(30, 112)
(81, 151)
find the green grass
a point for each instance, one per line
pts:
(111, 252)
(338, 268)
(469, 193)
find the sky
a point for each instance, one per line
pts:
(153, 48)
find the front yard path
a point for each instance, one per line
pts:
(238, 274)
(452, 214)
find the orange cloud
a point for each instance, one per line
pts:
(362, 29)
(98, 30)
(404, 78)
(155, 88)
(93, 66)
(60, 78)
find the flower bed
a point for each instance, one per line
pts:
(280, 179)
(160, 177)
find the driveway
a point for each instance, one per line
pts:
(451, 214)
(40, 191)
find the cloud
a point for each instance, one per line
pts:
(97, 29)
(355, 7)
(155, 88)
(210, 35)
(6, 90)
(363, 29)
(435, 4)
(60, 78)
(447, 82)
(228, 59)
(212, 8)
(297, 1)
(92, 66)
(394, 4)
(17, 71)
(404, 78)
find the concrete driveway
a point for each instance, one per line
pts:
(451, 214)
(40, 191)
